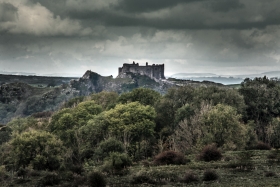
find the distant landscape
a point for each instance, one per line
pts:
(223, 79)
(139, 93)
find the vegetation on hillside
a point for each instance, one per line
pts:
(194, 135)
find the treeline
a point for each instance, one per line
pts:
(106, 131)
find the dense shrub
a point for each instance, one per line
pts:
(50, 179)
(40, 149)
(262, 146)
(162, 175)
(170, 157)
(210, 175)
(3, 174)
(76, 169)
(22, 172)
(108, 146)
(274, 156)
(45, 114)
(146, 163)
(270, 174)
(96, 179)
(244, 161)
(190, 177)
(210, 153)
(33, 173)
(142, 178)
(78, 180)
(116, 162)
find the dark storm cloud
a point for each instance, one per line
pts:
(7, 12)
(148, 5)
(224, 6)
(192, 35)
(166, 14)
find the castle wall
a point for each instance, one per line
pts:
(152, 71)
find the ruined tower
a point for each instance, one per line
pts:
(155, 71)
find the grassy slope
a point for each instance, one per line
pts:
(228, 174)
(168, 176)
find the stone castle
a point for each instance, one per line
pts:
(155, 71)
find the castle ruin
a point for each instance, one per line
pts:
(155, 71)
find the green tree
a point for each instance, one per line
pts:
(108, 146)
(262, 97)
(94, 132)
(85, 111)
(167, 106)
(107, 100)
(183, 113)
(19, 125)
(273, 133)
(220, 125)
(131, 121)
(40, 149)
(144, 96)
(219, 95)
(73, 102)
(66, 123)
(5, 133)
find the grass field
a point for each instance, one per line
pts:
(236, 168)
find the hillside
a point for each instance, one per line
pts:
(141, 138)
(21, 99)
(22, 96)
(37, 81)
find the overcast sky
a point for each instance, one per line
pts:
(188, 36)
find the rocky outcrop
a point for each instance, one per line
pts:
(92, 82)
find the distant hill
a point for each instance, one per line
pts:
(193, 75)
(41, 81)
(207, 77)
(223, 79)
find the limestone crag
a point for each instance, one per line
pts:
(92, 82)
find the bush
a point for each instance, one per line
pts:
(170, 157)
(210, 153)
(45, 114)
(146, 163)
(34, 173)
(210, 175)
(270, 174)
(274, 156)
(142, 178)
(50, 179)
(190, 177)
(262, 146)
(78, 180)
(244, 161)
(108, 146)
(77, 169)
(96, 179)
(46, 151)
(3, 174)
(22, 172)
(117, 162)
